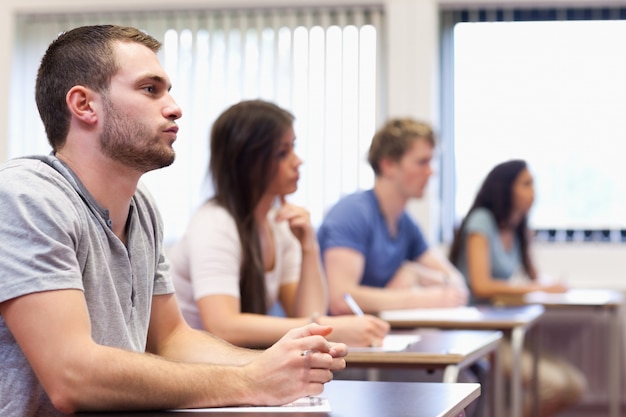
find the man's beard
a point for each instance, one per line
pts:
(129, 142)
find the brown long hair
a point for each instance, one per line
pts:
(496, 195)
(244, 143)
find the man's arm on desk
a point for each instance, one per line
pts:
(170, 336)
(430, 268)
(344, 269)
(53, 330)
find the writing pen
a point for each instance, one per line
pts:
(352, 304)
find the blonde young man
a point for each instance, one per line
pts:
(370, 246)
(88, 317)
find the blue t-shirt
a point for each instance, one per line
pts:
(356, 222)
(504, 263)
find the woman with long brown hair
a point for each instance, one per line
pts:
(247, 248)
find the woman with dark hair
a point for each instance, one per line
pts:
(490, 247)
(247, 248)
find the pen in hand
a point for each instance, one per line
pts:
(354, 307)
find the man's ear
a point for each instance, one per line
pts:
(80, 102)
(386, 165)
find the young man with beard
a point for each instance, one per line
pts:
(88, 318)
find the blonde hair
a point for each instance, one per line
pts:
(395, 138)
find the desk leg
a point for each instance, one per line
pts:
(496, 384)
(451, 373)
(615, 367)
(373, 374)
(535, 342)
(517, 346)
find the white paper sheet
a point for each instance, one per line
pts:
(574, 296)
(391, 343)
(431, 313)
(313, 404)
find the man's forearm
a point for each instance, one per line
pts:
(103, 378)
(113, 379)
(198, 346)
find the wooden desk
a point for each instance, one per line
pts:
(594, 300)
(365, 399)
(450, 350)
(513, 321)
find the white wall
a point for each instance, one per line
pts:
(412, 69)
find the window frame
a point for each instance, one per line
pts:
(448, 19)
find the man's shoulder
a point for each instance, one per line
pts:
(357, 202)
(353, 215)
(359, 196)
(26, 174)
(25, 164)
(143, 193)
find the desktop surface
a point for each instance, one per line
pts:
(477, 318)
(433, 347)
(363, 399)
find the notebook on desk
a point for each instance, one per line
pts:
(589, 296)
(430, 313)
(391, 343)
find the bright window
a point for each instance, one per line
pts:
(552, 93)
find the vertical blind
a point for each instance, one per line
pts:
(321, 64)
